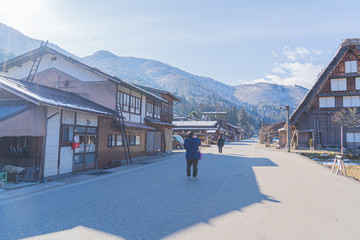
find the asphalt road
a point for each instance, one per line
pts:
(244, 193)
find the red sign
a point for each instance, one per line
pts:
(75, 145)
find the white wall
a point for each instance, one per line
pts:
(126, 116)
(135, 118)
(143, 108)
(61, 64)
(68, 117)
(85, 119)
(67, 153)
(52, 143)
(66, 160)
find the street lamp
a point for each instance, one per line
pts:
(287, 125)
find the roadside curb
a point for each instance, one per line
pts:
(70, 179)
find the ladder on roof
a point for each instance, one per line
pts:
(317, 133)
(36, 63)
(125, 140)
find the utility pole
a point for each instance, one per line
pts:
(288, 126)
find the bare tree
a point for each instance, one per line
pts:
(349, 118)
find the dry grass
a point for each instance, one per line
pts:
(351, 170)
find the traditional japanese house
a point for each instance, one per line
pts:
(38, 125)
(269, 131)
(337, 87)
(56, 70)
(205, 130)
(234, 132)
(220, 117)
(159, 115)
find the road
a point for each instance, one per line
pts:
(244, 193)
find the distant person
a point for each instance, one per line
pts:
(220, 143)
(191, 145)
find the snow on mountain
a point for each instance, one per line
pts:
(192, 89)
(270, 94)
(159, 75)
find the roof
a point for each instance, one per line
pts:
(195, 123)
(180, 115)
(159, 91)
(214, 113)
(32, 55)
(194, 129)
(138, 126)
(347, 45)
(233, 126)
(273, 126)
(158, 122)
(9, 108)
(43, 95)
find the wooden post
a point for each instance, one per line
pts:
(288, 127)
(342, 142)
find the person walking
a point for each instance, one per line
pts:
(220, 143)
(191, 145)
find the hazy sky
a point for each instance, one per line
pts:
(286, 42)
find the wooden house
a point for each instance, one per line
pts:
(38, 125)
(235, 132)
(58, 71)
(337, 87)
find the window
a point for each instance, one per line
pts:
(111, 140)
(351, 101)
(123, 101)
(357, 83)
(135, 105)
(353, 137)
(326, 102)
(149, 110)
(351, 67)
(131, 140)
(67, 134)
(134, 140)
(156, 111)
(137, 140)
(119, 141)
(338, 84)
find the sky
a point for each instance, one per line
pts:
(235, 42)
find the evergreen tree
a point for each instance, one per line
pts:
(194, 114)
(233, 116)
(243, 120)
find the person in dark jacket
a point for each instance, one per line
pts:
(220, 143)
(191, 145)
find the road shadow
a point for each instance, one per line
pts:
(142, 204)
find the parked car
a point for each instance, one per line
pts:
(275, 140)
(177, 142)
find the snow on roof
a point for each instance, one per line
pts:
(43, 95)
(214, 113)
(237, 127)
(195, 123)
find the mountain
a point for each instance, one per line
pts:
(264, 98)
(265, 93)
(261, 100)
(14, 43)
(160, 75)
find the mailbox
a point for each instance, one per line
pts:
(75, 145)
